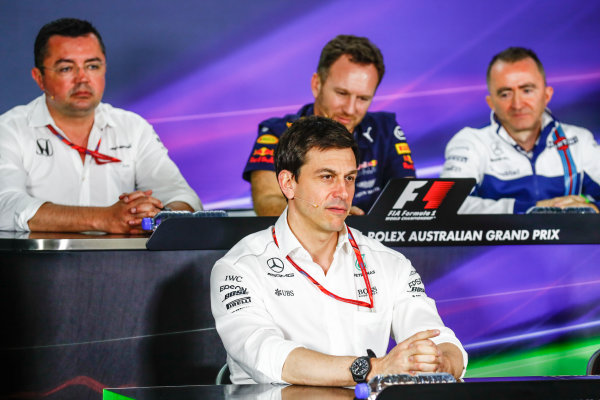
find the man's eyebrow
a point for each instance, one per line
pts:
(353, 172)
(328, 170)
(68, 60)
(528, 85)
(503, 89)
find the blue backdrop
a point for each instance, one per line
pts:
(205, 73)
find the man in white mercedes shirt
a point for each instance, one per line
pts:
(525, 157)
(313, 302)
(69, 163)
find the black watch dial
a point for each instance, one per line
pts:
(360, 369)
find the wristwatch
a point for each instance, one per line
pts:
(361, 367)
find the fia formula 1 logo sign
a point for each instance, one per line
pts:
(417, 203)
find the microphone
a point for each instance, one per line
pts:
(315, 205)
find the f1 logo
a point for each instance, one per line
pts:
(434, 196)
(409, 193)
(44, 147)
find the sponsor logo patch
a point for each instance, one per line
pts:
(399, 134)
(402, 148)
(275, 264)
(264, 154)
(367, 164)
(267, 139)
(365, 184)
(44, 147)
(279, 292)
(236, 293)
(365, 292)
(238, 302)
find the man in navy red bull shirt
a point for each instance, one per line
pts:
(349, 72)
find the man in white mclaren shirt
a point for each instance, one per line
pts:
(313, 302)
(70, 163)
(526, 157)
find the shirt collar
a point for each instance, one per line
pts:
(289, 244)
(40, 116)
(499, 129)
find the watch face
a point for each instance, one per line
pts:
(360, 366)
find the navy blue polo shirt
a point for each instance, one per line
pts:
(383, 152)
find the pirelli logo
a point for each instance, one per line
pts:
(238, 302)
(402, 148)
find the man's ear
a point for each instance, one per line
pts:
(548, 92)
(36, 74)
(315, 84)
(488, 99)
(287, 183)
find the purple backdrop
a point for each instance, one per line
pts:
(205, 74)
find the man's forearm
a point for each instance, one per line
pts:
(309, 367)
(179, 206)
(272, 205)
(58, 218)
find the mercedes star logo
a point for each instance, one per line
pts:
(275, 264)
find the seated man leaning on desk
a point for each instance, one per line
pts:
(525, 158)
(350, 70)
(69, 163)
(313, 302)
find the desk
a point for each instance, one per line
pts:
(85, 312)
(543, 388)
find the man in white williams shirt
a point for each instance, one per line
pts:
(69, 163)
(525, 157)
(313, 302)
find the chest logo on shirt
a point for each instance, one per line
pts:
(357, 266)
(365, 184)
(367, 134)
(365, 292)
(275, 264)
(44, 148)
(367, 166)
(280, 292)
(496, 149)
(121, 146)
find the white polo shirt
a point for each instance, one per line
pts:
(264, 308)
(36, 166)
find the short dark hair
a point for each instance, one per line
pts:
(308, 133)
(70, 27)
(360, 50)
(512, 55)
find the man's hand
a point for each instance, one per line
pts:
(125, 216)
(419, 354)
(567, 201)
(356, 211)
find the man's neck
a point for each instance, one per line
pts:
(526, 139)
(320, 245)
(77, 128)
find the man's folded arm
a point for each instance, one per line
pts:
(117, 218)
